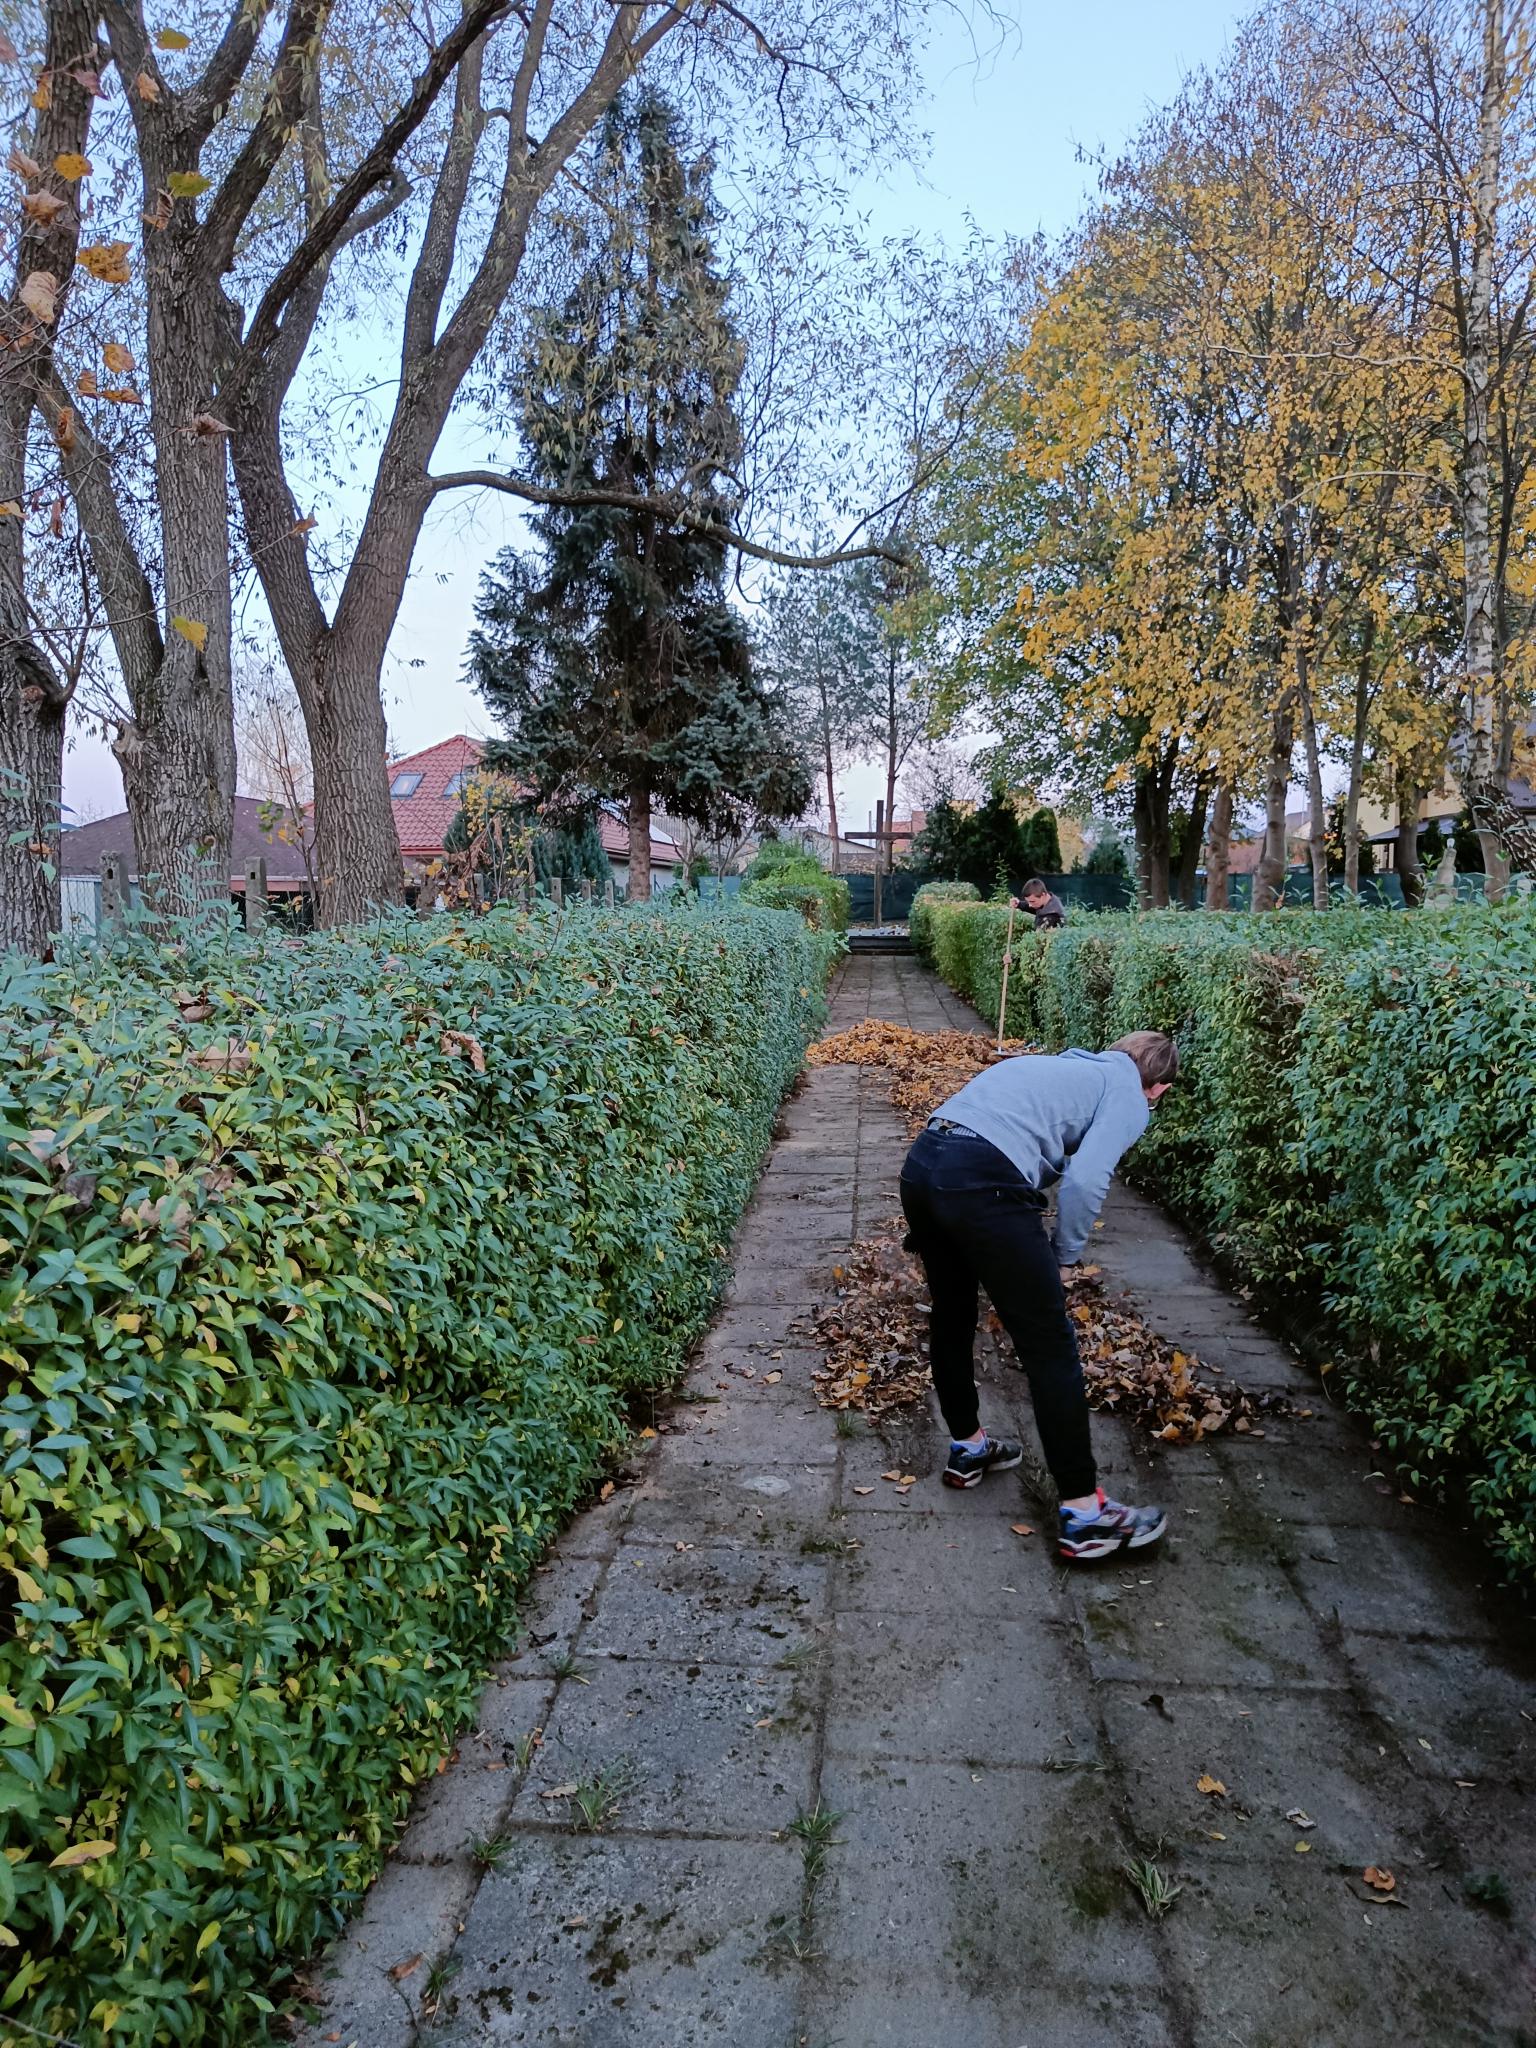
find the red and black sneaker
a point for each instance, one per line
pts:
(969, 1464)
(1109, 1528)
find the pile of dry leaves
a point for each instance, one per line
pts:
(874, 1332)
(925, 1067)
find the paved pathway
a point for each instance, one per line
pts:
(759, 1629)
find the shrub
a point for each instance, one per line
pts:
(328, 1267)
(920, 922)
(782, 878)
(1355, 1133)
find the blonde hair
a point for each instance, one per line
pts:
(1156, 1056)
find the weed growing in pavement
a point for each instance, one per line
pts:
(1152, 1885)
(596, 1800)
(489, 1852)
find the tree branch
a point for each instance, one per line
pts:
(285, 95)
(670, 509)
(226, 67)
(325, 236)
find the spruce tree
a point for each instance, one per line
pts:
(609, 652)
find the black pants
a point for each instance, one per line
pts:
(975, 1221)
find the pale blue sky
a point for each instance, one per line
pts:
(1007, 134)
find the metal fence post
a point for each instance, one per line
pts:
(255, 894)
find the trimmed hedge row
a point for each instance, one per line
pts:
(328, 1267)
(783, 878)
(1356, 1134)
(920, 918)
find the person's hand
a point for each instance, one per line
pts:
(1013, 902)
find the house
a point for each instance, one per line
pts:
(262, 831)
(426, 791)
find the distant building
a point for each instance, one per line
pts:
(262, 831)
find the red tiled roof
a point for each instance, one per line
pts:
(422, 818)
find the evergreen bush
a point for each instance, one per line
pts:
(327, 1269)
(782, 877)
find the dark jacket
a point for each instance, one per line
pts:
(1049, 915)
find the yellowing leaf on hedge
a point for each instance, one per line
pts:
(208, 1937)
(186, 184)
(16, 1715)
(70, 165)
(190, 629)
(233, 1853)
(172, 39)
(82, 1852)
(7, 1939)
(107, 262)
(367, 1503)
(26, 1585)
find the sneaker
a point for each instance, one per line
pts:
(969, 1464)
(1111, 1527)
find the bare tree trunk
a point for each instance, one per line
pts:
(1357, 762)
(1219, 861)
(1480, 342)
(1269, 876)
(826, 739)
(33, 696)
(1317, 820)
(1410, 871)
(1189, 858)
(886, 852)
(639, 841)
(32, 708)
(1150, 819)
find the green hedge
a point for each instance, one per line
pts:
(784, 878)
(920, 919)
(304, 1358)
(1356, 1134)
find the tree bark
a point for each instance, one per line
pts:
(1269, 876)
(826, 739)
(1317, 818)
(1218, 863)
(32, 710)
(1150, 820)
(1410, 871)
(1189, 858)
(639, 840)
(1357, 760)
(886, 852)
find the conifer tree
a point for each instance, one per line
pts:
(609, 651)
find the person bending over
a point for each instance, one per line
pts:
(973, 1192)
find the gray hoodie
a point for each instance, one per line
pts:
(1068, 1118)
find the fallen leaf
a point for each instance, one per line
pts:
(1021, 1529)
(771, 1379)
(647, 1432)
(403, 1970)
(682, 1546)
(1298, 1819)
(605, 1492)
(38, 294)
(560, 1791)
(1426, 1745)
(892, 1476)
(1303, 1848)
(909, 1479)
(1212, 1787)
(863, 1489)
(1214, 1836)
(766, 1722)
(578, 1920)
(1380, 1880)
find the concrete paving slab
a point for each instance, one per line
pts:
(784, 1504)
(1457, 1711)
(711, 1605)
(1180, 1617)
(1021, 1867)
(470, 1797)
(917, 1686)
(700, 1749)
(1400, 1582)
(679, 1946)
(878, 2011)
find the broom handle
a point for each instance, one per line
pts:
(1002, 1007)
